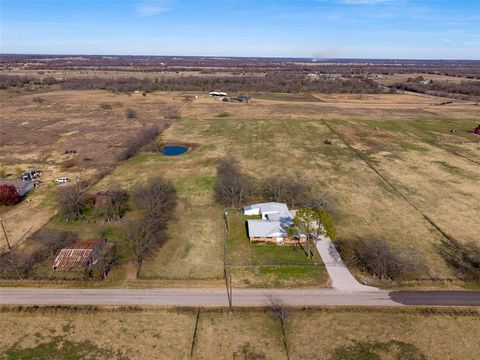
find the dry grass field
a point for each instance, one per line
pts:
(394, 78)
(392, 162)
(415, 152)
(37, 129)
(344, 333)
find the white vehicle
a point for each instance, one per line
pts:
(62, 180)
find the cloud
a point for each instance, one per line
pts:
(150, 8)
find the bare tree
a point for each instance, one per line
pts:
(317, 198)
(289, 188)
(280, 311)
(109, 204)
(232, 187)
(70, 203)
(156, 199)
(143, 236)
(106, 259)
(52, 240)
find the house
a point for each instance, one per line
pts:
(217, 93)
(23, 187)
(273, 225)
(242, 98)
(81, 255)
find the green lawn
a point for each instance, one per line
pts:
(241, 252)
(268, 265)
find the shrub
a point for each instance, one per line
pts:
(377, 257)
(143, 137)
(131, 114)
(105, 106)
(68, 163)
(9, 195)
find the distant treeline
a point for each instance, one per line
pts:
(276, 82)
(236, 65)
(464, 90)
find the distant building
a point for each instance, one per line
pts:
(81, 255)
(217, 93)
(23, 187)
(242, 98)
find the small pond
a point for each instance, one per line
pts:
(173, 150)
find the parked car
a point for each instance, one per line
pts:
(62, 180)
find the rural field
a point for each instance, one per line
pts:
(270, 179)
(324, 333)
(273, 137)
(391, 163)
(38, 131)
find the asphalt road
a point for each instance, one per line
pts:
(241, 297)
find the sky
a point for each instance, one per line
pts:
(402, 29)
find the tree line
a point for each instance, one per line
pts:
(443, 88)
(271, 82)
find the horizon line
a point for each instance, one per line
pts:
(240, 57)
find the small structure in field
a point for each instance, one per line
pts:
(242, 98)
(273, 227)
(81, 255)
(22, 187)
(217, 94)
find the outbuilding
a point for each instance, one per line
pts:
(81, 255)
(22, 187)
(217, 93)
(242, 98)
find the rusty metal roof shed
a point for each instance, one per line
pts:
(79, 255)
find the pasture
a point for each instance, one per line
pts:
(327, 333)
(393, 166)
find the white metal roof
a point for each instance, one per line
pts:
(262, 228)
(268, 207)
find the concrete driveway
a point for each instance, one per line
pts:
(341, 277)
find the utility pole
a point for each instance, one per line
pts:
(6, 236)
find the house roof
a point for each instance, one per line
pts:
(19, 184)
(268, 207)
(242, 97)
(76, 255)
(262, 228)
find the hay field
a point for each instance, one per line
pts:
(40, 127)
(335, 106)
(326, 333)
